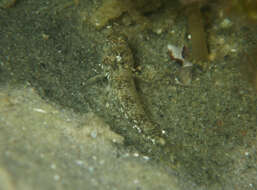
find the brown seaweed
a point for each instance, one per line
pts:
(196, 29)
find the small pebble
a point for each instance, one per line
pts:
(226, 23)
(56, 177)
(185, 75)
(79, 162)
(93, 134)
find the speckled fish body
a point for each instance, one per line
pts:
(118, 65)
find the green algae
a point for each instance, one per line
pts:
(112, 9)
(242, 8)
(7, 3)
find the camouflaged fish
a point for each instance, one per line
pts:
(118, 65)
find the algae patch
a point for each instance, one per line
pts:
(112, 9)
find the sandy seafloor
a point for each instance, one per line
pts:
(57, 132)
